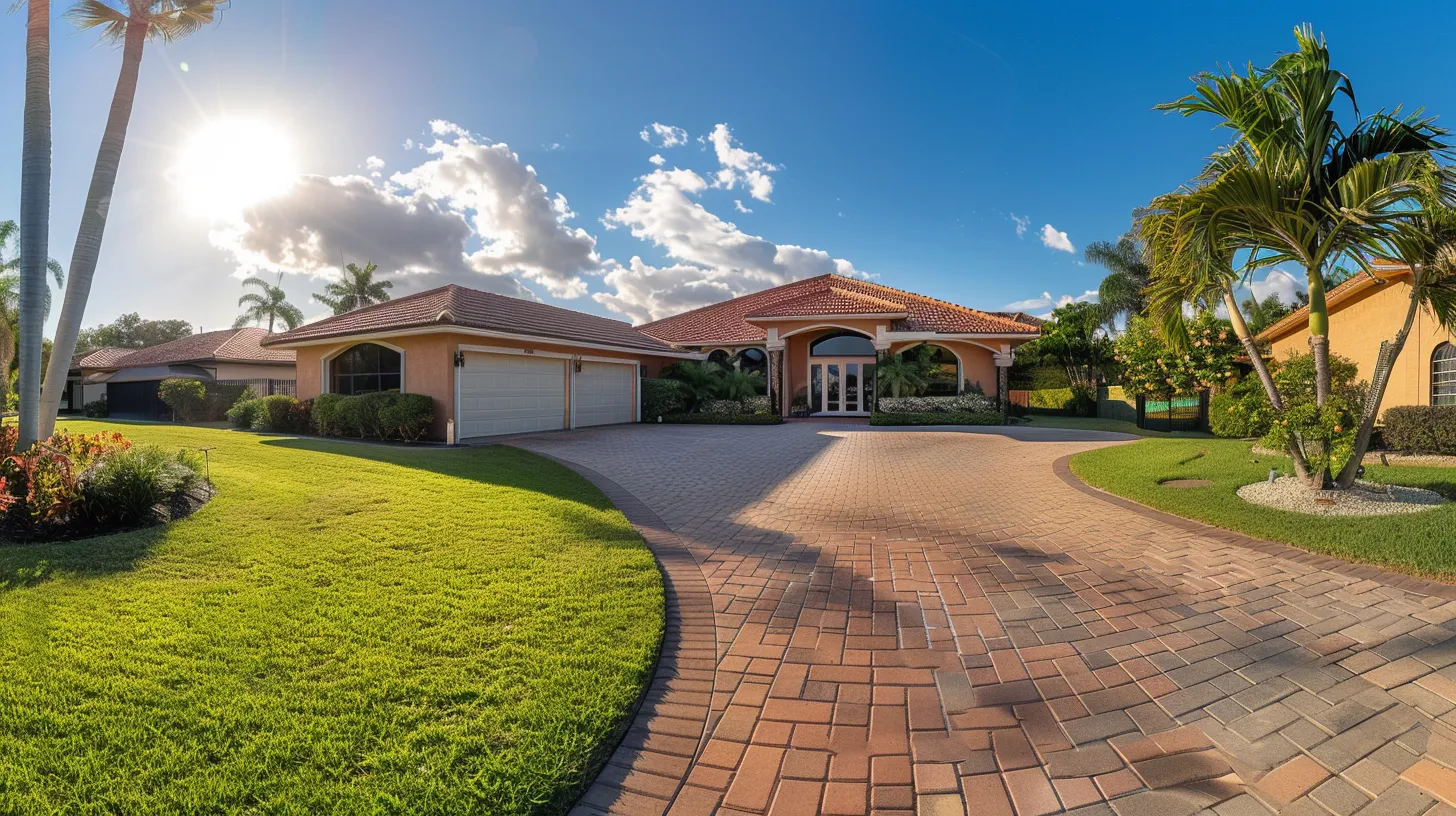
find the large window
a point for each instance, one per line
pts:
(1443, 375)
(367, 368)
(942, 366)
(842, 344)
(751, 360)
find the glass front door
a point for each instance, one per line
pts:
(841, 386)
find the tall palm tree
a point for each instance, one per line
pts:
(10, 296)
(131, 25)
(272, 304)
(357, 290)
(1121, 293)
(1295, 186)
(35, 216)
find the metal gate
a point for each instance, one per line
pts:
(1188, 412)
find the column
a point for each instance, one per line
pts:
(1004, 359)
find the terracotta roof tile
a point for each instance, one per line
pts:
(724, 322)
(228, 345)
(455, 305)
(99, 358)
(832, 300)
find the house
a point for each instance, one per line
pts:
(500, 365)
(131, 377)
(79, 393)
(1365, 310)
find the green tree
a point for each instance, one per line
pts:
(700, 380)
(1152, 367)
(735, 384)
(1121, 293)
(270, 304)
(899, 377)
(35, 209)
(131, 331)
(1075, 339)
(356, 290)
(1261, 314)
(1297, 185)
(131, 25)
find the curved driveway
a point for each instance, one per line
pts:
(928, 621)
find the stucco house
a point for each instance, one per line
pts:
(1365, 310)
(130, 378)
(500, 365)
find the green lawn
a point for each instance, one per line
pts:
(345, 628)
(1422, 543)
(1115, 425)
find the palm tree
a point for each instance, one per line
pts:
(11, 270)
(1121, 292)
(35, 210)
(1263, 313)
(271, 305)
(898, 376)
(736, 384)
(701, 380)
(357, 290)
(131, 26)
(1295, 186)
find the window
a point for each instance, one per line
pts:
(366, 369)
(720, 357)
(842, 344)
(751, 360)
(944, 369)
(1443, 375)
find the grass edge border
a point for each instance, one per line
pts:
(1062, 467)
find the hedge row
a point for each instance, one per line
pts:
(721, 419)
(958, 404)
(1421, 429)
(934, 418)
(367, 416)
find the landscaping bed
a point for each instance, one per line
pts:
(934, 418)
(1416, 543)
(722, 419)
(344, 629)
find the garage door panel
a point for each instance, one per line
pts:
(505, 394)
(605, 394)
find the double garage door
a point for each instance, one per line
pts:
(523, 393)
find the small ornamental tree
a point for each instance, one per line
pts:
(1151, 368)
(184, 397)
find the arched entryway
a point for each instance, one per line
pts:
(841, 374)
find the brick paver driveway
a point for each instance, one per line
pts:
(935, 622)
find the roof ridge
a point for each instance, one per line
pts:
(980, 312)
(731, 299)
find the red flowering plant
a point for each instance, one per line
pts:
(43, 485)
(1151, 367)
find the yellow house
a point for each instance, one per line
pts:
(1365, 310)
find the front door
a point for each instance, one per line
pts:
(841, 386)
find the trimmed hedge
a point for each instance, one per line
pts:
(934, 418)
(374, 416)
(958, 404)
(242, 413)
(1421, 429)
(663, 397)
(185, 397)
(1049, 399)
(722, 419)
(722, 407)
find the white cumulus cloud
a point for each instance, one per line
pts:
(657, 159)
(373, 163)
(738, 205)
(1050, 237)
(737, 166)
(1042, 306)
(660, 135)
(1279, 283)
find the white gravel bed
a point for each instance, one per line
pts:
(1365, 499)
(1373, 457)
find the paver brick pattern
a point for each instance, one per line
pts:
(934, 622)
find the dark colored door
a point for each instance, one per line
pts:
(136, 400)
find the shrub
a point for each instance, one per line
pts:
(1421, 429)
(721, 419)
(221, 397)
(1083, 402)
(935, 418)
(757, 405)
(276, 413)
(184, 397)
(96, 409)
(1331, 426)
(958, 404)
(127, 487)
(661, 397)
(1241, 412)
(242, 413)
(374, 416)
(722, 407)
(1049, 399)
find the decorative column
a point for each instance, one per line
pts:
(1004, 359)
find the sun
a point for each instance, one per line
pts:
(233, 163)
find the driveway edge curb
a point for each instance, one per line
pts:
(660, 739)
(1063, 469)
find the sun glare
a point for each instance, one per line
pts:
(232, 164)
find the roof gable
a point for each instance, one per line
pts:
(832, 300)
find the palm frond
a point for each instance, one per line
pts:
(93, 14)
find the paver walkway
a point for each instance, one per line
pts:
(932, 622)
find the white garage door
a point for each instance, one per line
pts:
(510, 393)
(604, 394)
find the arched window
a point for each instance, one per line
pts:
(842, 344)
(1443, 375)
(751, 359)
(366, 369)
(720, 357)
(944, 368)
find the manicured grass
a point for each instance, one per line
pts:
(1114, 425)
(345, 628)
(1421, 543)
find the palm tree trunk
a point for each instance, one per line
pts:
(270, 322)
(1384, 363)
(1319, 347)
(93, 224)
(35, 209)
(1241, 330)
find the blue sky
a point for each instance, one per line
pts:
(898, 141)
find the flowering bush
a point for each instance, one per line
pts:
(1241, 412)
(756, 405)
(1326, 433)
(722, 407)
(1154, 369)
(958, 404)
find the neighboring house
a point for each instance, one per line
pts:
(499, 365)
(132, 376)
(1365, 310)
(78, 392)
